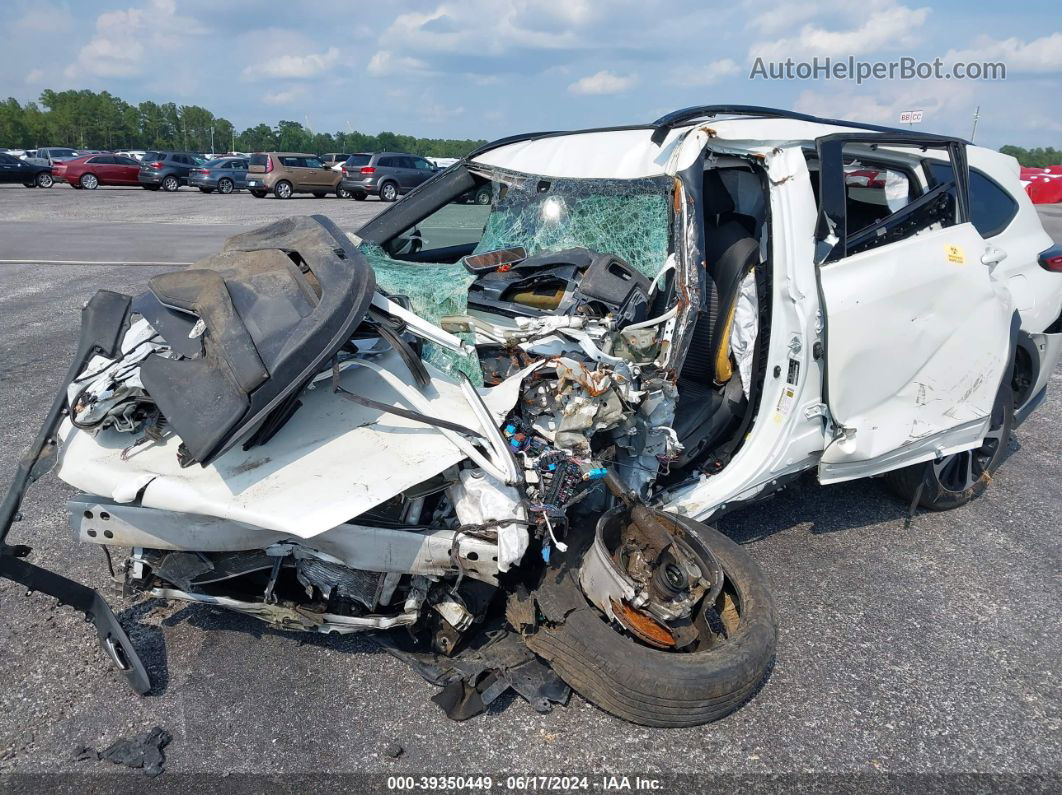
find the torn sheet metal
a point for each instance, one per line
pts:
(477, 675)
(296, 485)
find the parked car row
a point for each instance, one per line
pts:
(387, 175)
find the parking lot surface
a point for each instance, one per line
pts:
(929, 649)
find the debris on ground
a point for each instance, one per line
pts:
(394, 750)
(143, 751)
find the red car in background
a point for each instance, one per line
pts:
(92, 171)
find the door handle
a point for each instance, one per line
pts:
(993, 256)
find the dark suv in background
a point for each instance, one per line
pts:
(166, 170)
(386, 174)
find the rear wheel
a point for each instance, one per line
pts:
(89, 182)
(258, 194)
(44, 180)
(648, 670)
(956, 479)
(283, 190)
(170, 183)
(225, 185)
(388, 192)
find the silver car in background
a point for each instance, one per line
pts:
(224, 175)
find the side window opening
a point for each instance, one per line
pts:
(876, 197)
(992, 208)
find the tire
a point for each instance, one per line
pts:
(226, 185)
(88, 182)
(342, 193)
(44, 180)
(206, 190)
(359, 196)
(388, 192)
(170, 183)
(483, 195)
(283, 190)
(258, 194)
(649, 686)
(961, 477)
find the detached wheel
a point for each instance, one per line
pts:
(88, 182)
(225, 185)
(170, 184)
(646, 670)
(44, 180)
(958, 478)
(388, 192)
(283, 190)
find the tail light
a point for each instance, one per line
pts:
(269, 163)
(344, 170)
(1051, 259)
(156, 164)
(368, 170)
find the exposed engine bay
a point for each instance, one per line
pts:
(271, 437)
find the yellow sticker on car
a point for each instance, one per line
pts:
(955, 255)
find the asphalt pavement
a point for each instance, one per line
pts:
(931, 649)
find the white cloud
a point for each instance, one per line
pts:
(705, 75)
(603, 82)
(385, 63)
(125, 39)
(945, 102)
(1040, 55)
(284, 96)
(886, 29)
(293, 67)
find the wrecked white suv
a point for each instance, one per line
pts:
(492, 434)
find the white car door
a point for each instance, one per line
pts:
(918, 332)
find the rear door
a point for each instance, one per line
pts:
(104, 167)
(319, 175)
(126, 170)
(917, 329)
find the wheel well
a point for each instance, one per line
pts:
(1026, 369)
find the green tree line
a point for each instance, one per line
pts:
(101, 120)
(1040, 157)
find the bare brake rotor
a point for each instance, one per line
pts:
(649, 574)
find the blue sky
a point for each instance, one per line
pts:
(488, 68)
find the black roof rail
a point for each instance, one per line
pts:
(667, 122)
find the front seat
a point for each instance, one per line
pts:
(710, 401)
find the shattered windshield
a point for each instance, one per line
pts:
(629, 218)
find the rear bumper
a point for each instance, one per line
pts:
(203, 181)
(255, 182)
(150, 178)
(360, 185)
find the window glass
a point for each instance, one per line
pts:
(357, 161)
(7, 160)
(991, 207)
(406, 162)
(260, 159)
(390, 162)
(102, 160)
(313, 162)
(125, 161)
(873, 192)
(150, 157)
(422, 164)
(289, 161)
